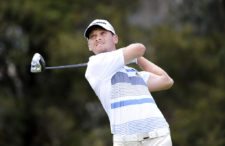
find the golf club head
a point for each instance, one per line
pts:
(37, 63)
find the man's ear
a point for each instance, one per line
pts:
(115, 38)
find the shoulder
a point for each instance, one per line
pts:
(103, 60)
(104, 65)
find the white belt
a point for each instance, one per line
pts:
(142, 136)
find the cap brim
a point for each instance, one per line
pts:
(89, 29)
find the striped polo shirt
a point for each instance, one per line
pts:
(124, 94)
(133, 109)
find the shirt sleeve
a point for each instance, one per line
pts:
(145, 75)
(104, 65)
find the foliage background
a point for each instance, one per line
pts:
(58, 108)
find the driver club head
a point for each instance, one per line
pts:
(37, 63)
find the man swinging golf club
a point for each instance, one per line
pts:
(124, 92)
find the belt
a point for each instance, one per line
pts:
(142, 136)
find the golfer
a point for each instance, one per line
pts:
(124, 92)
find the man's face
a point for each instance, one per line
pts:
(101, 40)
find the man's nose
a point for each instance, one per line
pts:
(98, 37)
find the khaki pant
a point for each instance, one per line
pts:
(158, 141)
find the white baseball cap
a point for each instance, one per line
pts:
(99, 22)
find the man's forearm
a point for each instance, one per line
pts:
(159, 79)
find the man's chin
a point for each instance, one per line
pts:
(104, 51)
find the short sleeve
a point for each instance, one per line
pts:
(103, 66)
(145, 75)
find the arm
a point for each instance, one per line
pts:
(158, 79)
(133, 51)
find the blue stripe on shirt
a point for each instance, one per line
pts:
(131, 102)
(121, 77)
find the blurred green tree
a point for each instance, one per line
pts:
(57, 107)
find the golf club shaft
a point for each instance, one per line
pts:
(66, 66)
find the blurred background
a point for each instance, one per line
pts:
(58, 107)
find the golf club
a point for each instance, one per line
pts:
(38, 64)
